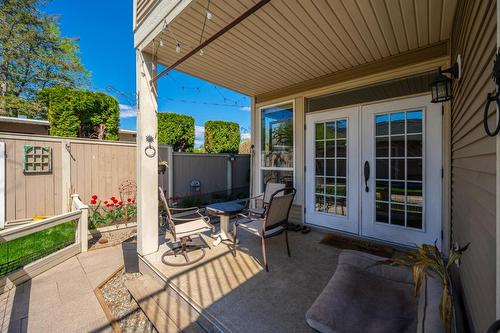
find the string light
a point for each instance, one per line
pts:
(209, 15)
(161, 42)
(178, 48)
(202, 52)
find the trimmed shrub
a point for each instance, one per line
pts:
(176, 130)
(81, 113)
(222, 137)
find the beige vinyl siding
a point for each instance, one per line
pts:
(473, 159)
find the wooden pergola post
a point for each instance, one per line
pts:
(147, 156)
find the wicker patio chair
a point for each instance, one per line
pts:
(272, 224)
(260, 207)
(182, 230)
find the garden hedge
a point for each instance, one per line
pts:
(222, 137)
(176, 130)
(81, 113)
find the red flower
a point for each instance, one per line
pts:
(106, 202)
(133, 200)
(113, 199)
(129, 200)
(94, 197)
(93, 202)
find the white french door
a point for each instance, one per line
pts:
(380, 177)
(402, 144)
(332, 169)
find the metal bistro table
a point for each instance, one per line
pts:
(224, 210)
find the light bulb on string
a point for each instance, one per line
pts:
(202, 52)
(161, 42)
(210, 16)
(178, 48)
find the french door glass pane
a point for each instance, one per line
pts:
(399, 159)
(331, 167)
(277, 137)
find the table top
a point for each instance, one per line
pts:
(225, 208)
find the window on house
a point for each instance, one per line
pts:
(277, 155)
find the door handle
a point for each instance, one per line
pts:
(367, 175)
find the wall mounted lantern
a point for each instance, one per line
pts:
(441, 85)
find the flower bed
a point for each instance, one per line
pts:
(111, 211)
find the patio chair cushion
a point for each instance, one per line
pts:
(364, 296)
(191, 228)
(257, 211)
(254, 226)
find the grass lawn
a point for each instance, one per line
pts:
(22, 251)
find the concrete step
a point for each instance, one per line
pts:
(167, 312)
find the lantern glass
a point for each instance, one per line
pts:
(441, 89)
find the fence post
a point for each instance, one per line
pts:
(170, 170)
(83, 222)
(66, 175)
(229, 173)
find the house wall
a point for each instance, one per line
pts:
(473, 159)
(129, 137)
(24, 128)
(373, 74)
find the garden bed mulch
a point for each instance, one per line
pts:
(120, 308)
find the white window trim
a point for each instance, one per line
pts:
(259, 144)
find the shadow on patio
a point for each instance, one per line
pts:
(241, 295)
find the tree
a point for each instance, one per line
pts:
(80, 113)
(33, 56)
(222, 137)
(176, 130)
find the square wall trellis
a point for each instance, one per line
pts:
(37, 159)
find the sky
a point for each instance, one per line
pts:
(104, 29)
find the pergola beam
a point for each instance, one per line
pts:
(208, 41)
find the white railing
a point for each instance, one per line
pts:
(79, 213)
(82, 229)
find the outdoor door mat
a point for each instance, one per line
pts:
(343, 242)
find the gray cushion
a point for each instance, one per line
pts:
(371, 263)
(357, 301)
(428, 306)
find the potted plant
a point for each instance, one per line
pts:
(428, 258)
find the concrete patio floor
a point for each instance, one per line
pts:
(62, 299)
(241, 295)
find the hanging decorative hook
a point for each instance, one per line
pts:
(150, 151)
(493, 97)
